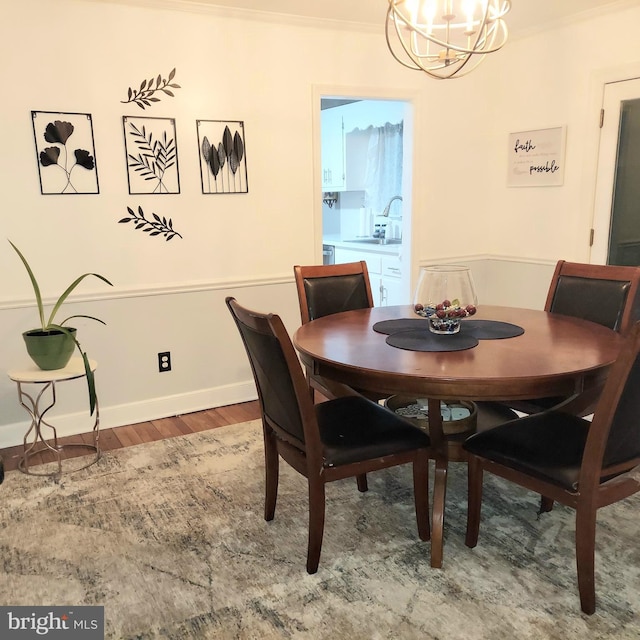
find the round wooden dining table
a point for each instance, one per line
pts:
(556, 355)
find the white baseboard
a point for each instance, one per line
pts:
(116, 416)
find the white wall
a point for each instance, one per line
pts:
(546, 80)
(81, 56)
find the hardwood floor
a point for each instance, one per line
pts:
(129, 435)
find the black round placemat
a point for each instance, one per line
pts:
(400, 324)
(480, 329)
(425, 340)
(491, 329)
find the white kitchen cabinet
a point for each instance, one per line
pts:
(391, 266)
(392, 292)
(391, 287)
(345, 255)
(385, 275)
(333, 151)
(374, 263)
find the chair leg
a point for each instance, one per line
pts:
(272, 468)
(362, 482)
(439, 499)
(585, 556)
(312, 391)
(546, 504)
(316, 524)
(474, 500)
(421, 493)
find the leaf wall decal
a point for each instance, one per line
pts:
(238, 146)
(233, 162)
(49, 156)
(227, 141)
(143, 96)
(58, 131)
(214, 162)
(155, 227)
(206, 148)
(84, 158)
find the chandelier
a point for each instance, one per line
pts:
(445, 38)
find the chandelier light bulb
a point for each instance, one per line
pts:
(445, 38)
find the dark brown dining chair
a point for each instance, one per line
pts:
(579, 464)
(341, 438)
(327, 289)
(331, 288)
(606, 294)
(322, 291)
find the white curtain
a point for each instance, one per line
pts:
(383, 178)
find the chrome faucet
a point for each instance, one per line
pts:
(385, 213)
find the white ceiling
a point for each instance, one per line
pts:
(525, 15)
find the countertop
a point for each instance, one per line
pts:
(354, 245)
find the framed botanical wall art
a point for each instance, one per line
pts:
(223, 158)
(152, 155)
(65, 152)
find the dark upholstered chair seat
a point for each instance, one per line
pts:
(547, 446)
(353, 429)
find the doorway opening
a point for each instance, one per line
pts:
(616, 224)
(366, 189)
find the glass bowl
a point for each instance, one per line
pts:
(445, 295)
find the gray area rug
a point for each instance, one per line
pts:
(170, 538)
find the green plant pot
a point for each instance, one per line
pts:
(49, 349)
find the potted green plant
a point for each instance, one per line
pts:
(51, 345)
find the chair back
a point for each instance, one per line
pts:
(613, 443)
(281, 385)
(327, 289)
(606, 294)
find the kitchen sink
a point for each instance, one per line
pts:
(382, 241)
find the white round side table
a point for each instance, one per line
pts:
(34, 440)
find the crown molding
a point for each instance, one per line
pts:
(272, 17)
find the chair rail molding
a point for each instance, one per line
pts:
(160, 290)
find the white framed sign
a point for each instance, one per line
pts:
(536, 158)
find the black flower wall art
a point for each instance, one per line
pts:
(65, 152)
(152, 155)
(223, 158)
